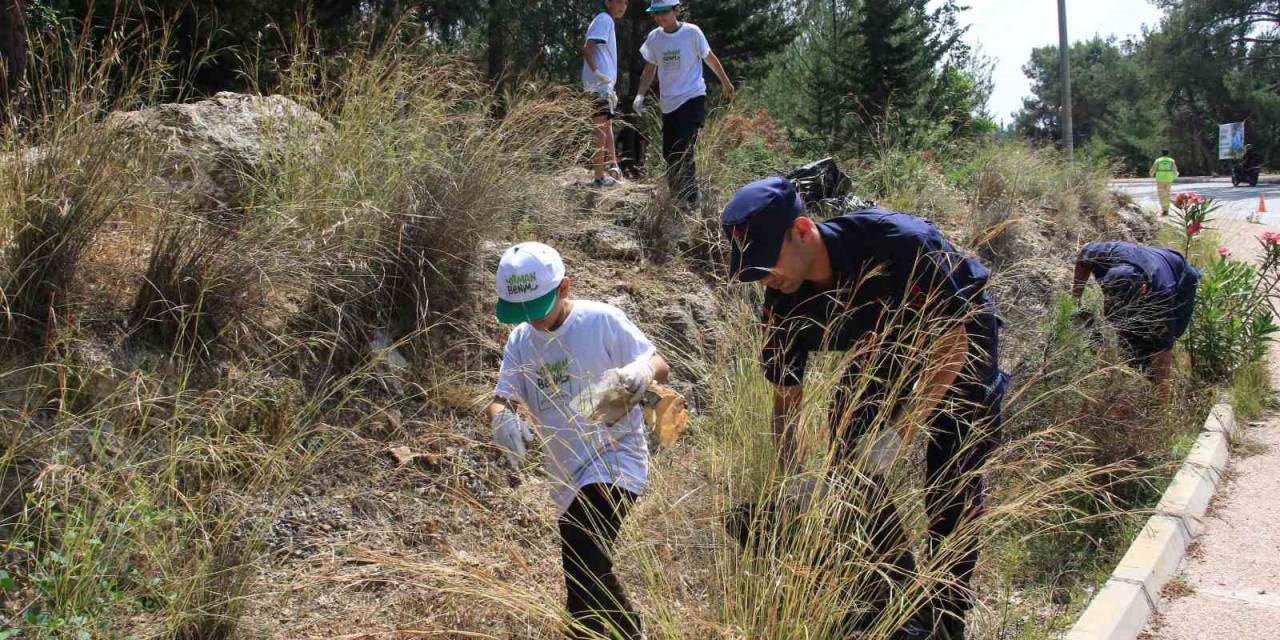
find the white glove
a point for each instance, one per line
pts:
(617, 393)
(885, 450)
(638, 104)
(604, 79)
(635, 378)
(613, 101)
(512, 434)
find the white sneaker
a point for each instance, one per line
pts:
(606, 181)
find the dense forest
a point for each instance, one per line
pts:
(834, 74)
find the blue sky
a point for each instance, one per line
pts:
(1007, 31)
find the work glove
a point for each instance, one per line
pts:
(635, 378)
(514, 435)
(884, 451)
(604, 79)
(638, 104)
(613, 102)
(618, 392)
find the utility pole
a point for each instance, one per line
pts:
(1064, 54)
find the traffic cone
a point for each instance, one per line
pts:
(1262, 208)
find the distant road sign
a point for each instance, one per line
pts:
(1231, 141)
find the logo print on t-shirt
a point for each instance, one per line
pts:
(553, 376)
(555, 384)
(671, 59)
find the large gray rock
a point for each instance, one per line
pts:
(611, 243)
(206, 146)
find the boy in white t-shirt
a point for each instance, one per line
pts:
(562, 352)
(675, 52)
(600, 79)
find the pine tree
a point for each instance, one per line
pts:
(745, 33)
(900, 54)
(858, 63)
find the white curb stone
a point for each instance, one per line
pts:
(1188, 496)
(1120, 610)
(1210, 452)
(1154, 556)
(1222, 418)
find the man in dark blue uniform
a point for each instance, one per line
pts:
(922, 335)
(1148, 293)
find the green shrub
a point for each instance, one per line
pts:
(1233, 322)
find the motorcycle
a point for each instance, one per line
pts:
(1245, 174)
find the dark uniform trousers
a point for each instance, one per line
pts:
(962, 433)
(1159, 325)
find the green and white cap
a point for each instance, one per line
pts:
(529, 275)
(658, 6)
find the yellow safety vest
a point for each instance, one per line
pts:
(1164, 169)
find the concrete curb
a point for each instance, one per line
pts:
(1120, 609)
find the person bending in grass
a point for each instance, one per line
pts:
(563, 351)
(922, 336)
(1148, 293)
(674, 52)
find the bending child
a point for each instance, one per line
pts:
(563, 358)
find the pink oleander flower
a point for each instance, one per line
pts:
(1193, 228)
(1270, 238)
(1224, 252)
(1188, 199)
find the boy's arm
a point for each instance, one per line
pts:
(646, 78)
(589, 53)
(718, 69)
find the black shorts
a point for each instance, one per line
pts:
(600, 107)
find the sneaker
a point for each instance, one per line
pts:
(606, 181)
(615, 172)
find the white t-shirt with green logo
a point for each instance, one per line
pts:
(547, 371)
(679, 57)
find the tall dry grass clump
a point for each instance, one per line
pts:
(63, 176)
(417, 173)
(146, 453)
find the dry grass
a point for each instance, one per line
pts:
(193, 497)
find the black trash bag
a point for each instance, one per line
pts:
(825, 189)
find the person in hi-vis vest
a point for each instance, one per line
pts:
(1164, 170)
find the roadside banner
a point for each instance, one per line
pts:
(1231, 141)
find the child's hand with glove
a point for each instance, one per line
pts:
(619, 391)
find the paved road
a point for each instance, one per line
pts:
(1237, 202)
(1232, 578)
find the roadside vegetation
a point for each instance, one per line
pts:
(189, 393)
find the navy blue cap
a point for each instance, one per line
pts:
(755, 221)
(1121, 283)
